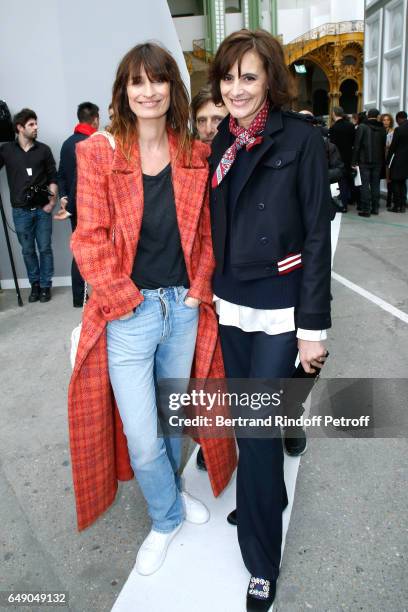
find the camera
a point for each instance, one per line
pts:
(37, 195)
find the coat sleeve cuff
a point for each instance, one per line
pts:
(312, 321)
(313, 335)
(125, 302)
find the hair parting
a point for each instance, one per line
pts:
(158, 64)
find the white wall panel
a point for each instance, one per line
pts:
(385, 53)
(61, 53)
(296, 17)
(372, 49)
(189, 29)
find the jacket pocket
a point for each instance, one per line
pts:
(280, 160)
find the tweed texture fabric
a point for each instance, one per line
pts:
(110, 205)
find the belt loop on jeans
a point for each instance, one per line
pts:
(179, 291)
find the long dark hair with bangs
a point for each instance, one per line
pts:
(158, 64)
(281, 85)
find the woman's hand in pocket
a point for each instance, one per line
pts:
(126, 316)
(191, 302)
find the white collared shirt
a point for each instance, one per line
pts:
(270, 321)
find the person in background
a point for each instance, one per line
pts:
(362, 117)
(342, 133)
(369, 155)
(31, 171)
(88, 118)
(397, 161)
(388, 122)
(334, 163)
(110, 115)
(356, 119)
(271, 238)
(206, 115)
(205, 118)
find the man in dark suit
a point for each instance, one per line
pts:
(88, 117)
(342, 134)
(369, 155)
(397, 161)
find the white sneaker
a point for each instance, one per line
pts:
(152, 552)
(196, 512)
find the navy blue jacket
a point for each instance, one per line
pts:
(281, 209)
(342, 134)
(67, 171)
(398, 153)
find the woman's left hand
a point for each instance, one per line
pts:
(312, 355)
(192, 302)
(128, 315)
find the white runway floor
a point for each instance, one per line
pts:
(203, 571)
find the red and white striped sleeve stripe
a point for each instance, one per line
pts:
(289, 263)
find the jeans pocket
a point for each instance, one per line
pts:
(135, 313)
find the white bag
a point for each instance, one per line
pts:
(357, 178)
(76, 332)
(335, 189)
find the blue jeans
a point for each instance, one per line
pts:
(157, 342)
(34, 227)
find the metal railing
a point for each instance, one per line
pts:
(329, 29)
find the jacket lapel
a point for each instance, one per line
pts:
(274, 124)
(126, 189)
(222, 141)
(189, 186)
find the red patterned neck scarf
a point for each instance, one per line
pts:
(244, 137)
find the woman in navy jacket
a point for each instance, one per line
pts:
(271, 238)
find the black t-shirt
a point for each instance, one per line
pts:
(25, 168)
(159, 260)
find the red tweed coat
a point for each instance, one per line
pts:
(110, 210)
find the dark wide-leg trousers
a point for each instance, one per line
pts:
(261, 491)
(399, 190)
(78, 283)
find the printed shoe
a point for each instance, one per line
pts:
(260, 594)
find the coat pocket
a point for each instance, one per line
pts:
(280, 160)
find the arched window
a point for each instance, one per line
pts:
(320, 102)
(349, 60)
(348, 98)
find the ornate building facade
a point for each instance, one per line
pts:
(331, 58)
(331, 53)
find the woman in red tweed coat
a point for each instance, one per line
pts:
(143, 243)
